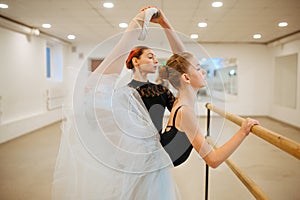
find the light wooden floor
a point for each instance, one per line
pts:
(27, 164)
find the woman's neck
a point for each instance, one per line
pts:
(138, 76)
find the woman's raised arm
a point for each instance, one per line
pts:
(175, 42)
(114, 61)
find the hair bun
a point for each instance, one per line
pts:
(163, 72)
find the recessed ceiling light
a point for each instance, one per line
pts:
(282, 24)
(71, 37)
(46, 25)
(202, 24)
(257, 36)
(123, 25)
(217, 4)
(108, 5)
(2, 5)
(194, 36)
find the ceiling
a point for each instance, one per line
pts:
(235, 22)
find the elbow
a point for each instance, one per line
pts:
(213, 164)
(212, 160)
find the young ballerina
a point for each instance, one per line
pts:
(186, 75)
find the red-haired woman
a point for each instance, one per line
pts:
(110, 147)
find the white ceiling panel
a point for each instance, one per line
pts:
(236, 21)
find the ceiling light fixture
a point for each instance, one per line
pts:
(256, 36)
(108, 5)
(194, 36)
(282, 24)
(71, 37)
(46, 25)
(217, 4)
(202, 24)
(2, 5)
(123, 25)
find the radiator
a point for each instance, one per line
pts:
(54, 98)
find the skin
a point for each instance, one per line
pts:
(130, 37)
(147, 63)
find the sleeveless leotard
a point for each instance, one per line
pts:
(176, 143)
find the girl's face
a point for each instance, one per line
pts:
(147, 63)
(197, 74)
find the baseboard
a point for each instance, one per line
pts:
(21, 127)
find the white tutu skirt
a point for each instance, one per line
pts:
(110, 148)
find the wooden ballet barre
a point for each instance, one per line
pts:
(284, 143)
(249, 183)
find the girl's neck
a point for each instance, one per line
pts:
(187, 96)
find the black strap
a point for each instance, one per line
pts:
(174, 118)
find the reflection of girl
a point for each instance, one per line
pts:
(186, 75)
(162, 77)
(110, 148)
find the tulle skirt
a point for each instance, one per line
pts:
(110, 148)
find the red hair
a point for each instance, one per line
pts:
(134, 53)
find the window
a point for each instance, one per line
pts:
(54, 62)
(48, 62)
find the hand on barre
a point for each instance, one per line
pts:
(247, 124)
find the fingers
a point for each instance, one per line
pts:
(251, 122)
(146, 7)
(247, 124)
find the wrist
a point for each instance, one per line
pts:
(243, 133)
(165, 24)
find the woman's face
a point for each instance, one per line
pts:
(147, 63)
(197, 74)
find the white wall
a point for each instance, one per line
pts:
(286, 114)
(23, 80)
(23, 85)
(255, 77)
(256, 66)
(253, 68)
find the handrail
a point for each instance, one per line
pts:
(249, 183)
(285, 144)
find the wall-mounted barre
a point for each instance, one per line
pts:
(285, 144)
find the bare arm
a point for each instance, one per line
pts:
(114, 61)
(189, 124)
(174, 41)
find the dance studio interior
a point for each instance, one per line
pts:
(249, 49)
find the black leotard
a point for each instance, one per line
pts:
(156, 98)
(176, 143)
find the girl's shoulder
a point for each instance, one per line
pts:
(185, 111)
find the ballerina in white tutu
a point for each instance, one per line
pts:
(110, 147)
